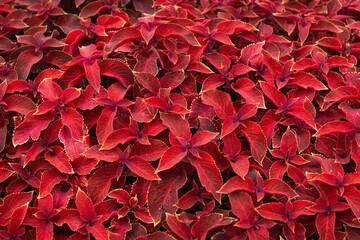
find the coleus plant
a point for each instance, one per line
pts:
(179, 119)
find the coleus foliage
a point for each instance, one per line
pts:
(179, 119)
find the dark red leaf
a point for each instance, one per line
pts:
(208, 223)
(180, 229)
(162, 195)
(31, 127)
(25, 61)
(209, 174)
(273, 211)
(276, 186)
(49, 179)
(141, 168)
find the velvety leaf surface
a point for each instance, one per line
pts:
(173, 119)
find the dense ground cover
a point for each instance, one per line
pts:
(179, 119)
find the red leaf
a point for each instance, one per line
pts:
(256, 138)
(140, 112)
(49, 179)
(199, 67)
(44, 230)
(273, 211)
(237, 183)
(171, 157)
(151, 152)
(5, 174)
(273, 94)
(3, 88)
(26, 175)
(231, 26)
(250, 51)
(172, 79)
(338, 94)
(157, 102)
(59, 159)
(306, 80)
(180, 229)
(3, 134)
(188, 200)
(105, 124)
(162, 195)
(240, 165)
(139, 212)
(209, 174)
(219, 61)
(288, 142)
(303, 115)
(73, 148)
(352, 196)
(74, 121)
(352, 233)
(268, 124)
(212, 82)
(98, 230)
(100, 181)
(247, 111)
(175, 30)
(232, 145)
(339, 62)
(71, 75)
(11, 203)
(221, 101)
(45, 107)
(177, 125)
(70, 94)
(201, 138)
(6, 44)
(222, 38)
(110, 22)
(278, 169)
(117, 137)
(351, 179)
(31, 127)
(208, 223)
(146, 63)
(92, 71)
(297, 233)
(242, 205)
(19, 104)
(121, 196)
(246, 88)
(25, 61)
(142, 168)
(325, 224)
(121, 37)
(69, 216)
(156, 236)
(118, 70)
(83, 165)
(336, 127)
(112, 155)
(300, 207)
(240, 69)
(303, 65)
(148, 81)
(258, 233)
(330, 42)
(229, 126)
(17, 219)
(85, 207)
(276, 186)
(91, 9)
